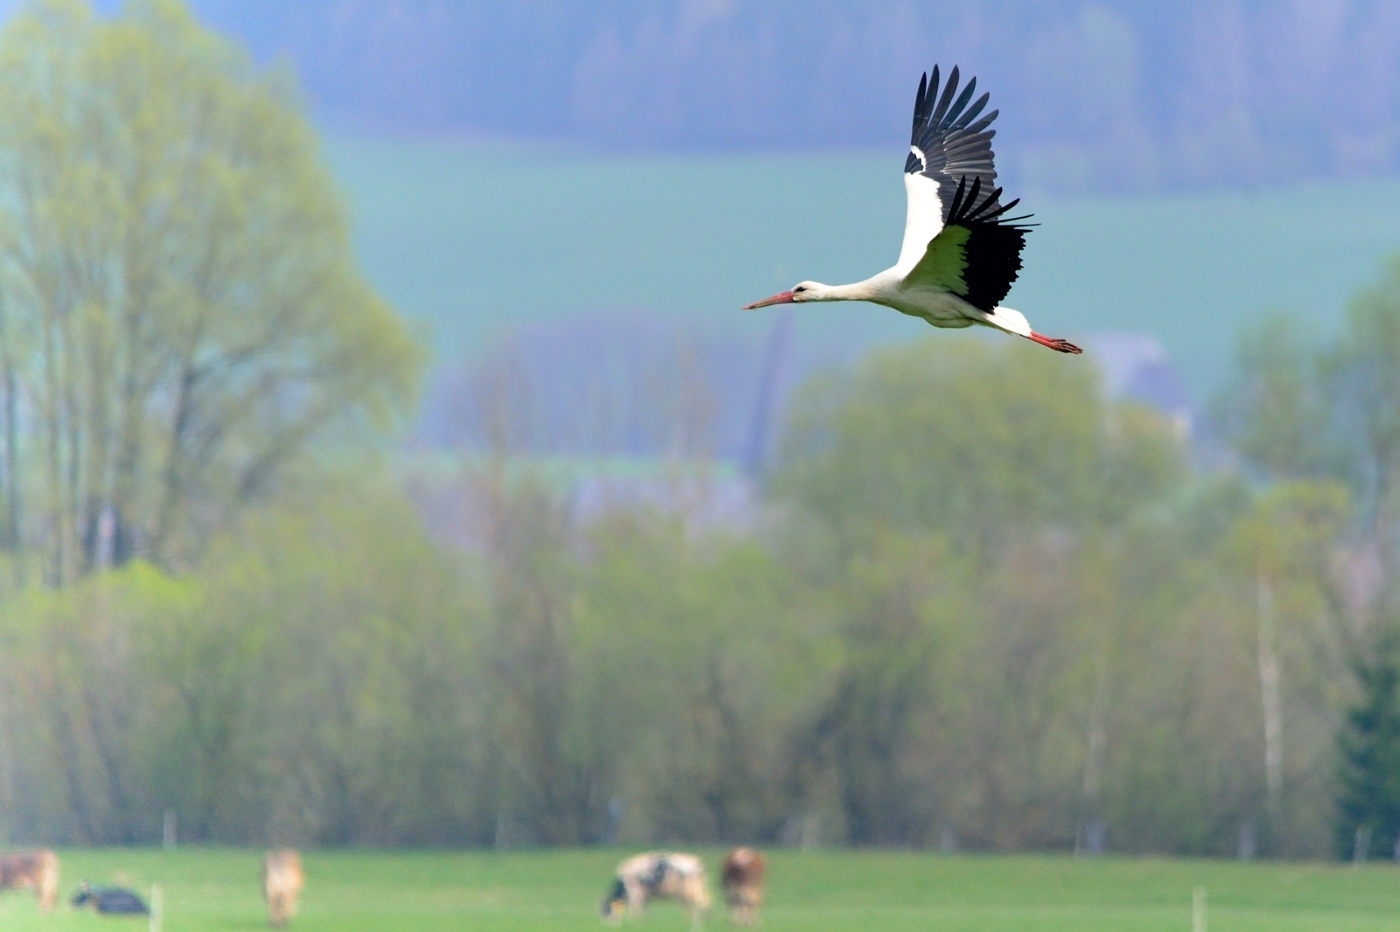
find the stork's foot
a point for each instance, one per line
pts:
(1056, 344)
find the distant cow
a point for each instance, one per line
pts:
(36, 871)
(282, 882)
(742, 876)
(110, 901)
(658, 875)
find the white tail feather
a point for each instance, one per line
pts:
(1012, 321)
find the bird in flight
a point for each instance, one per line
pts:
(961, 252)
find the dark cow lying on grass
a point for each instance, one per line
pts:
(282, 882)
(110, 901)
(658, 875)
(742, 876)
(35, 871)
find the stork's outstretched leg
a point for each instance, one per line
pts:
(1055, 343)
(1013, 321)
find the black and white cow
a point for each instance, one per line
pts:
(658, 875)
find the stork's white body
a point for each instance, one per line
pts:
(923, 220)
(892, 288)
(961, 150)
(940, 308)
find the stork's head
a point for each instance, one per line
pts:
(802, 291)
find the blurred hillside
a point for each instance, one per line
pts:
(472, 240)
(1095, 96)
(517, 164)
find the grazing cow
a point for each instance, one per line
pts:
(110, 901)
(742, 876)
(659, 875)
(282, 882)
(36, 871)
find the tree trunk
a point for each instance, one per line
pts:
(1270, 699)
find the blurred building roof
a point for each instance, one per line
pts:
(1136, 367)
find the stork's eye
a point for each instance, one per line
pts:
(799, 289)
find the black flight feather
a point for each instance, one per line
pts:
(949, 90)
(994, 243)
(954, 142)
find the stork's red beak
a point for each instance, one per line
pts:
(782, 297)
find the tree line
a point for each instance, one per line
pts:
(981, 608)
(976, 604)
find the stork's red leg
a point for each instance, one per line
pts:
(1055, 343)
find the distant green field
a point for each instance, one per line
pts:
(471, 238)
(353, 891)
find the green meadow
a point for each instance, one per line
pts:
(216, 889)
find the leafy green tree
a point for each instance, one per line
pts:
(971, 441)
(699, 660)
(899, 600)
(80, 715)
(182, 316)
(552, 776)
(1364, 372)
(1301, 408)
(341, 645)
(1284, 551)
(316, 680)
(1276, 409)
(1012, 478)
(1368, 797)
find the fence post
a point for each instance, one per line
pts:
(1362, 847)
(157, 907)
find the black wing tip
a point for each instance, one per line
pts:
(967, 209)
(949, 89)
(919, 112)
(951, 134)
(949, 111)
(971, 113)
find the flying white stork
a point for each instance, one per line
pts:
(961, 252)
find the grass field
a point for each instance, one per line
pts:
(215, 889)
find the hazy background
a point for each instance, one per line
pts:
(1193, 165)
(386, 459)
(688, 157)
(1097, 97)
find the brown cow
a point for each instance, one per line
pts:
(32, 870)
(282, 882)
(742, 876)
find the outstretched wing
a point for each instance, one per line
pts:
(949, 143)
(977, 254)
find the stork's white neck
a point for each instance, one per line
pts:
(868, 290)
